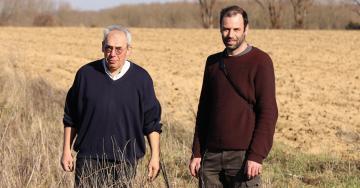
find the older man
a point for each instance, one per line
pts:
(237, 110)
(110, 107)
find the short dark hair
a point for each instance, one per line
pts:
(232, 11)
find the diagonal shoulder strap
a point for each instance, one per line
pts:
(237, 90)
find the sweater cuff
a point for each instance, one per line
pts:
(155, 127)
(196, 151)
(255, 157)
(68, 121)
(68, 124)
(196, 155)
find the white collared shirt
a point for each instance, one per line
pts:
(124, 69)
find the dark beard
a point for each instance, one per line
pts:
(237, 45)
(234, 47)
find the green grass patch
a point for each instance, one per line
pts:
(288, 167)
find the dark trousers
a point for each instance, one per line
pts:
(225, 169)
(103, 173)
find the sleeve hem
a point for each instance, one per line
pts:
(68, 124)
(155, 128)
(196, 155)
(255, 157)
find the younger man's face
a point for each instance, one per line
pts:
(233, 32)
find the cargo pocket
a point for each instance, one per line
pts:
(254, 182)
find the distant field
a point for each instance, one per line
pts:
(317, 76)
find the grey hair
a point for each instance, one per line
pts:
(110, 28)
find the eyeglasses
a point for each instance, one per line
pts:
(118, 49)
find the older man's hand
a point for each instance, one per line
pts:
(67, 161)
(154, 168)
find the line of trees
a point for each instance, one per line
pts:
(357, 8)
(275, 14)
(274, 10)
(27, 12)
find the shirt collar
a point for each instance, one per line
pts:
(122, 72)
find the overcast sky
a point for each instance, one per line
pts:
(101, 4)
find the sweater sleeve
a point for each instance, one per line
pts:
(266, 111)
(152, 109)
(71, 103)
(200, 131)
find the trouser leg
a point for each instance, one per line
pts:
(124, 173)
(234, 170)
(85, 173)
(210, 170)
(103, 173)
(226, 169)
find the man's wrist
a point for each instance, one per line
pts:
(66, 150)
(155, 157)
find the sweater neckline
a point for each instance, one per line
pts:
(248, 49)
(123, 77)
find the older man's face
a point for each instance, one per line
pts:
(115, 50)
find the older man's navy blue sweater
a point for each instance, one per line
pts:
(111, 116)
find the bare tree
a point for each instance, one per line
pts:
(20, 12)
(8, 10)
(44, 19)
(300, 8)
(274, 8)
(206, 8)
(357, 8)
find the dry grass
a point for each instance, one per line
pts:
(317, 136)
(30, 140)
